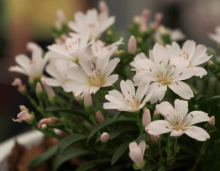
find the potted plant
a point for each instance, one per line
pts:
(148, 105)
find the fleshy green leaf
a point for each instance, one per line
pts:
(109, 122)
(68, 155)
(113, 135)
(210, 100)
(69, 140)
(43, 157)
(91, 164)
(119, 152)
(74, 112)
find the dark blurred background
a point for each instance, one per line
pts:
(22, 21)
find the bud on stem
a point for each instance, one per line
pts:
(104, 137)
(132, 45)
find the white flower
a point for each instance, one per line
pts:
(128, 100)
(163, 73)
(98, 49)
(195, 55)
(216, 36)
(31, 67)
(175, 35)
(89, 77)
(178, 122)
(137, 153)
(72, 48)
(57, 69)
(96, 23)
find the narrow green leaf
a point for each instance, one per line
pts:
(69, 140)
(74, 112)
(109, 122)
(43, 157)
(48, 133)
(150, 167)
(119, 152)
(68, 155)
(116, 116)
(91, 164)
(209, 100)
(113, 135)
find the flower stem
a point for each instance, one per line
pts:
(139, 123)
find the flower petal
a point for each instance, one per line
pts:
(111, 66)
(160, 54)
(196, 117)
(197, 133)
(52, 82)
(159, 92)
(165, 108)
(176, 133)
(181, 107)
(189, 47)
(182, 89)
(158, 127)
(200, 72)
(111, 80)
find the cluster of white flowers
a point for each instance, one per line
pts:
(81, 63)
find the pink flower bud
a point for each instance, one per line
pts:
(154, 138)
(24, 116)
(103, 8)
(44, 121)
(31, 46)
(212, 121)
(23, 108)
(60, 18)
(43, 126)
(87, 99)
(104, 137)
(132, 45)
(99, 117)
(38, 88)
(158, 19)
(137, 153)
(146, 119)
(62, 39)
(18, 82)
(144, 19)
(48, 89)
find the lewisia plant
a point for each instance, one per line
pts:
(150, 105)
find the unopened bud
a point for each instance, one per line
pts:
(146, 119)
(210, 63)
(87, 99)
(99, 117)
(31, 46)
(104, 137)
(132, 45)
(38, 88)
(23, 108)
(158, 19)
(154, 138)
(62, 39)
(144, 19)
(212, 121)
(43, 126)
(44, 121)
(156, 115)
(103, 8)
(60, 18)
(137, 19)
(48, 89)
(17, 82)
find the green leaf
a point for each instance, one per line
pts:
(117, 115)
(48, 133)
(210, 100)
(91, 164)
(74, 112)
(113, 135)
(117, 167)
(69, 140)
(68, 155)
(150, 167)
(109, 122)
(43, 157)
(119, 152)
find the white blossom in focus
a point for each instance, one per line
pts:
(195, 55)
(163, 73)
(128, 100)
(178, 122)
(73, 47)
(31, 67)
(91, 77)
(96, 23)
(57, 69)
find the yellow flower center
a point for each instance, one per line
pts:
(96, 79)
